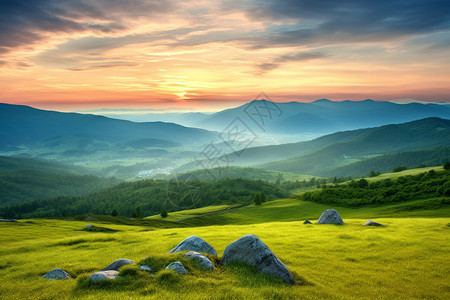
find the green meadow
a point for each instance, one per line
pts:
(408, 259)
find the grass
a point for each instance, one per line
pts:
(407, 259)
(395, 175)
(291, 209)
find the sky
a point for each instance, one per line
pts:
(211, 54)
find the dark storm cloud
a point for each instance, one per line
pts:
(24, 22)
(330, 21)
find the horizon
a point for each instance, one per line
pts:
(211, 55)
(110, 111)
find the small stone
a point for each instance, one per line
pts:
(146, 268)
(103, 276)
(57, 274)
(177, 267)
(307, 222)
(194, 243)
(330, 216)
(372, 223)
(117, 264)
(202, 260)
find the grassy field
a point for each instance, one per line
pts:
(395, 175)
(408, 259)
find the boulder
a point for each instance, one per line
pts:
(251, 250)
(330, 216)
(88, 226)
(177, 267)
(202, 260)
(146, 268)
(307, 222)
(57, 274)
(194, 243)
(103, 276)
(372, 223)
(117, 264)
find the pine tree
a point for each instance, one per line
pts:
(114, 213)
(263, 197)
(164, 213)
(257, 199)
(137, 212)
(447, 166)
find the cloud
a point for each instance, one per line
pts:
(104, 66)
(306, 22)
(26, 22)
(299, 56)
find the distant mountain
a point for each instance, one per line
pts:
(322, 116)
(24, 125)
(23, 179)
(319, 156)
(186, 119)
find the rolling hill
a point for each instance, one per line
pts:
(364, 143)
(24, 179)
(24, 125)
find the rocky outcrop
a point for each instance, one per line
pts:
(307, 222)
(330, 216)
(117, 264)
(146, 268)
(251, 250)
(177, 267)
(57, 274)
(373, 223)
(194, 243)
(103, 276)
(202, 260)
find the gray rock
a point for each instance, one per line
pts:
(88, 226)
(177, 267)
(200, 259)
(57, 274)
(194, 243)
(146, 268)
(117, 264)
(8, 220)
(330, 216)
(372, 223)
(251, 250)
(103, 276)
(307, 222)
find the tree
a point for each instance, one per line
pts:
(164, 213)
(399, 169)
(257, 199)
(279, 178)
(137, 213)
(373, 174)
(447, 165)
(114, 213)
(263, 197)
(364, 184)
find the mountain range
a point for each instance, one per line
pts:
(24, 125)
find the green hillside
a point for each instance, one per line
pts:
(24, 179)
(406, 259)
(366, 143)
(385, 163)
